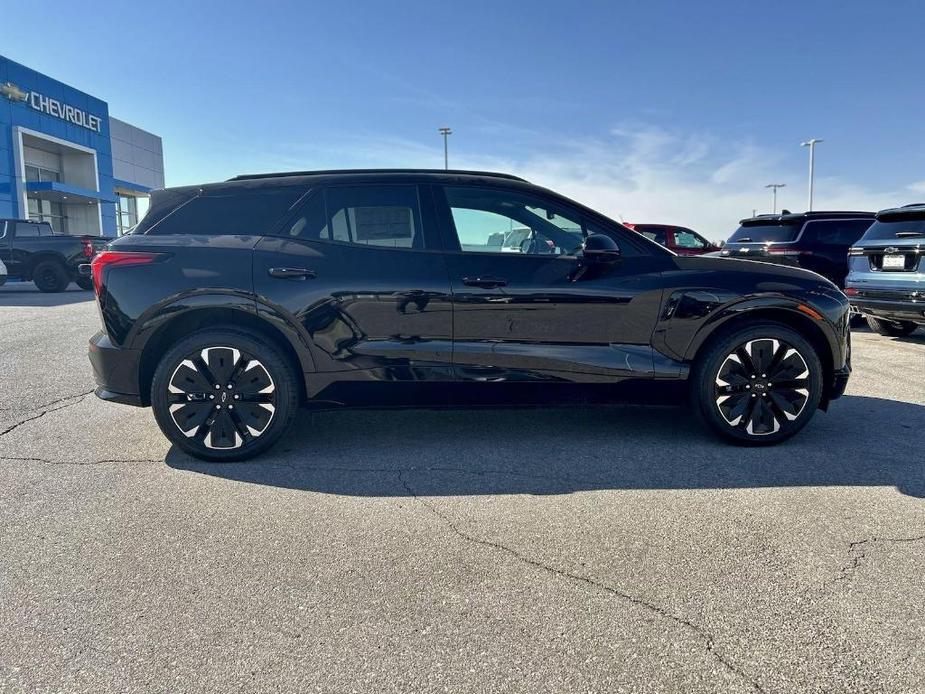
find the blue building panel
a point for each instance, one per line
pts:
(44, 108)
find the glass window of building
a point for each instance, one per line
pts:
(126, 213)
(48, 211)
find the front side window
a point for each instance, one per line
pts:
(384, 216)
(684, 238)
(495, 221)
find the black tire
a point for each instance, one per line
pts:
(757, 385)
(855, 319)
(212, 429)
(891, 328)
(85, 283)
(50, 276)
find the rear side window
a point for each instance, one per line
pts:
(253, 212)
(653, 233)
(386, 216)
(27, 230)
(842, 232)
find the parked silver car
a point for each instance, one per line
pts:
(886, 273)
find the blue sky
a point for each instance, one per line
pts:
(674, 112)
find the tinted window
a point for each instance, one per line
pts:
(24, 230)
(382, 216)
(653, 233)
(241, 213)
(494, 221)
(835, 233)
(898, 229)
(760, 233)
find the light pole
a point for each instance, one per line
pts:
(774, 187)
(812, 161)
(446, 132)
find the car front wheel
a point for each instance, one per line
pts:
(224, 395)
(758, 385)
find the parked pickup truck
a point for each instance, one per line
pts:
(32, 251)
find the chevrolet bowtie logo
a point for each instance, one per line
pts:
(12, 92)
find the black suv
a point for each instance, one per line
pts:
(817, 241)
(233, 303)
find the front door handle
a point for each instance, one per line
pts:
(292, 273)
(484, 282)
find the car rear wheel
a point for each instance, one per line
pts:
(50, 276)
(891, 328)
(758, 385)
(224, 395)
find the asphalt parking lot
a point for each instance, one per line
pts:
(563, 550)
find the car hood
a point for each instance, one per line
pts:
(760, 270)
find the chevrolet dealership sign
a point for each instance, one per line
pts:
(52, 107)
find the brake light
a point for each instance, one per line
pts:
(851, 291)
(87, 247)
(108, 259)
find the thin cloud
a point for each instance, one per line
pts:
(634, 173)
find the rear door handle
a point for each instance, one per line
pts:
(292, 273)
(484, 282)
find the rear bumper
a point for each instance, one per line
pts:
(891, 308)
(115, 371)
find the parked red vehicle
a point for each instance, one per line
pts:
(681, 240)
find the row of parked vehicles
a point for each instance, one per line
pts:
(874, 257)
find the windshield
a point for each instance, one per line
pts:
(899, 229)
(764, 233)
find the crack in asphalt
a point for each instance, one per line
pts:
(48, 461)
(708, 638)
(857, 552)
(47, 408)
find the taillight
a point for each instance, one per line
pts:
(87, 247)
(108, 259)
(851, 291)
(855, 250)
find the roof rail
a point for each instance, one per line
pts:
(329, 172)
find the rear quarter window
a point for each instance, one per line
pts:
(255, 212)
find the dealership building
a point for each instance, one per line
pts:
(64, 160)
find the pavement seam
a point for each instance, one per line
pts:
(708, 638)
(47, 409)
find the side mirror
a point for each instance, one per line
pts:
(600, 249)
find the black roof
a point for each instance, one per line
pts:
(800, 217)
(353, 172)
(914, 211)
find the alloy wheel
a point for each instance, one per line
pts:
(221, 397)
(762, 386)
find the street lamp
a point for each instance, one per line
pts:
(774, 187)
(812, 160)
(446, 132)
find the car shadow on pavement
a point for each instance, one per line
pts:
(25, 294)
(862, 441)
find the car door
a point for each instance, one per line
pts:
(824, 245)
(6, 238)
(533, 312)
(358, 269)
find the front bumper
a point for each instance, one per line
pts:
(115, 371)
